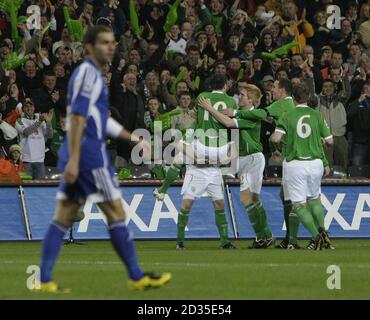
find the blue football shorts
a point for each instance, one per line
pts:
(98, 185)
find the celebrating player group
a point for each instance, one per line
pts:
(299, 139)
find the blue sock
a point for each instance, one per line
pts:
(51, 248)
(124, 246)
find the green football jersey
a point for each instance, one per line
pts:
(275, 110)
(207, 129)
(278, 107)
(250, 135)
(303, 128)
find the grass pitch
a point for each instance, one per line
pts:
(202, 271)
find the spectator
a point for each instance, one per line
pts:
(359, 120)
(301, 28)
(15, 158)
(364, 15)
(49, 97)
(209, 37)
(8, 134)
(33, 130)
(54, 143)
(321, 33)
(177, 43)
(154, 107)
(340, 77)
(186, 118)
(364, 30)
(30, 78)
(8, 172)
(341, 39)
(130, 107)
(153, 87)
(335, 115)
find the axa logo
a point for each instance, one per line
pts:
(360, 212)
(167, 210)
(333, 211)
(159, 212)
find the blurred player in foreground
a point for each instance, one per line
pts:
(304, 128)
(87, 170)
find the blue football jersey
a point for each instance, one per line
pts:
(88, 96)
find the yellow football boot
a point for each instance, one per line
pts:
(149, 281)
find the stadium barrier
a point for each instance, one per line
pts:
(25, 214)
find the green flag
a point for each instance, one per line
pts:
(171, 16)
(197, 82)
(5, 5)
(281, 51)
(179, 78)
(74, 26)
(11, 7)
(134, 20)
(240, 74)
(12, 61)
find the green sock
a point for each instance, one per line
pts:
(222, 225)
(307, 220)
(254, 218)
(293, 228)
(263, 220)
(287, 204)
(317, 212)
(182, 221)
(171, 175)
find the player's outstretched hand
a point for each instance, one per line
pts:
(205, 103)
(71, 171)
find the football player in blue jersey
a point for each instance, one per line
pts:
(88, 172)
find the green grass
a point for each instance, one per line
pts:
(202, 271)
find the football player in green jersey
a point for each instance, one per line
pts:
(203, 123)
(303, 129)
(282, 92)
(251, 159)
(210, 145)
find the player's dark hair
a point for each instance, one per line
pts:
(286, 84)
(92, 33)
(217, 82)
(301, 93)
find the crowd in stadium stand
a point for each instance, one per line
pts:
(155, 72)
